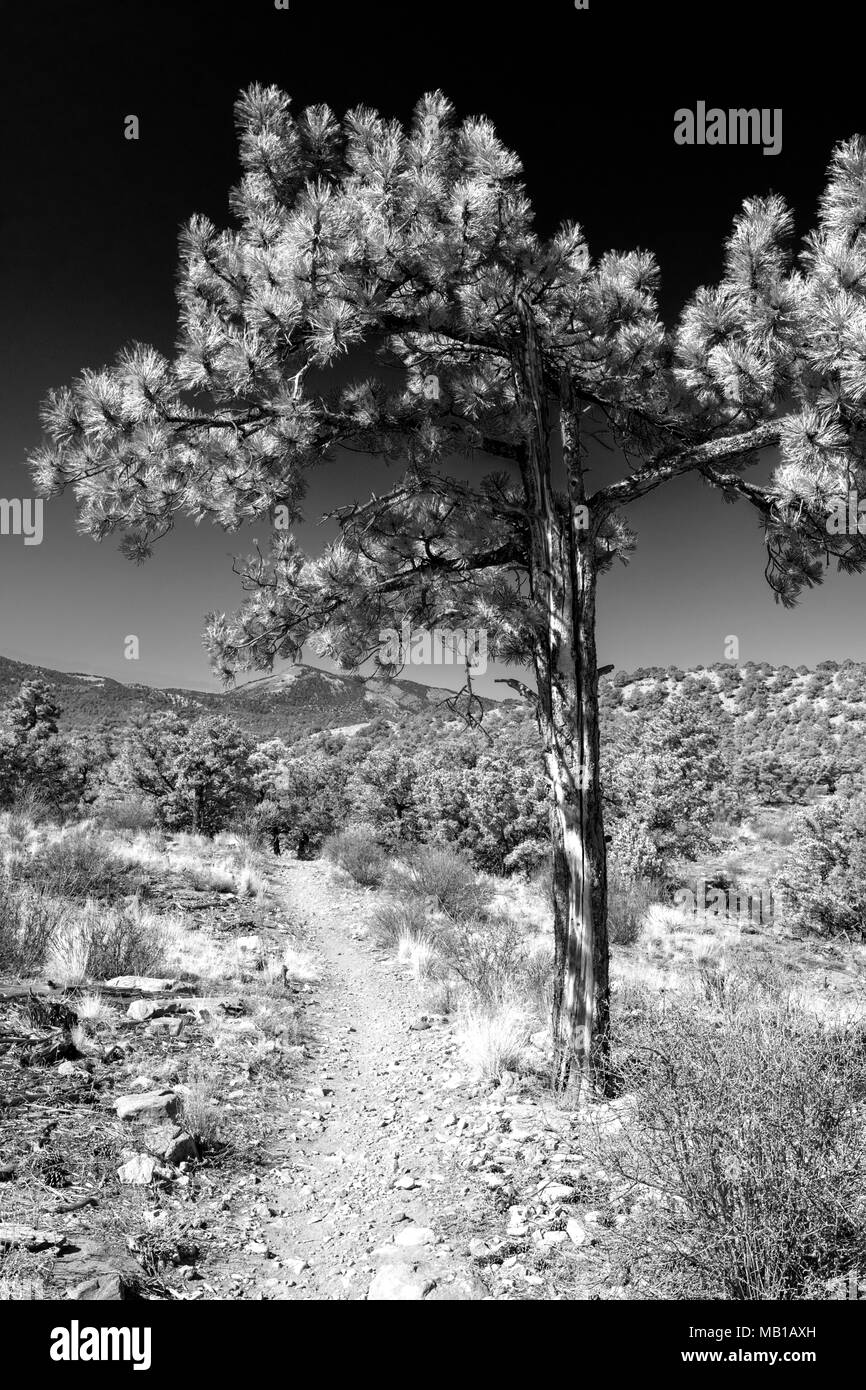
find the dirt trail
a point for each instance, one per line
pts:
(362, 1195)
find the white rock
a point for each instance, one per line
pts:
(395, 1283)
(150, 1105)
(414, 1235)
(517, 1221)
(145, 983)
(575, 1231)
(556, 1192)
(138, 1171)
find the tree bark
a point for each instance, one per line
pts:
(581, 1009)
(563, 575)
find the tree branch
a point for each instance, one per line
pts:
(700, 458)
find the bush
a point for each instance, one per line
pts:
(30, 919)
(129, 815)
(822, 882)
(446, 877)
(746, 1141)
(486, 953)
(100, 943)
(356, 851)
(78, 864)
(628, 901)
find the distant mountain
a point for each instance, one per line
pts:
(298, 701)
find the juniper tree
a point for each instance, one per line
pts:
(414, 253)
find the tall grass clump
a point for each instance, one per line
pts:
(391, 920)
(492, 1041)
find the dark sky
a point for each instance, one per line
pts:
(587, 98)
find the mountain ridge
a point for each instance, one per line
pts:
(302, 699)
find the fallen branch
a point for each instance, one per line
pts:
(75, 1206)
(29, 1238)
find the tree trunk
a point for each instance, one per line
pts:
(563, 573)
(569, 719)
(198, 810)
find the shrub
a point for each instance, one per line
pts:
(356, 851)
(486, 953)
(628, 901)
(30, 920)
(78, 864)
(100, 943)
(822, 882)
(129, 815)
(446, 877)
(747, 1144)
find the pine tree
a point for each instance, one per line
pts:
(32, 755)
(475, 336)
(34, 712)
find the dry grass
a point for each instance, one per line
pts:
(200, 1108)
(94, 1012)
(391, 919)
(493, 1041)
(418, 954)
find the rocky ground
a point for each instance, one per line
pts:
(354, 1158)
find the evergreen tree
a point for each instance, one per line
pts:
(478, 336)
(31, 752)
